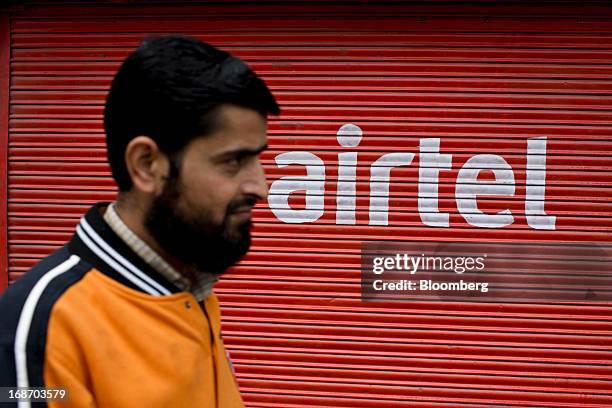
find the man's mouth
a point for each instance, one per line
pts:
(245, 210)
(242, 214)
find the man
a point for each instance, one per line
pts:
(124, 315)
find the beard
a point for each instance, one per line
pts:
(193, 237)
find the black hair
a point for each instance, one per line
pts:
(168, 89)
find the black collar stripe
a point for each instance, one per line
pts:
(105, 252)
(98, 245)
(123, 261)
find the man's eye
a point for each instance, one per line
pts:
(234, 162)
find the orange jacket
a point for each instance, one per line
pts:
(93, 318)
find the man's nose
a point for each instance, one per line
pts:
(255, 184)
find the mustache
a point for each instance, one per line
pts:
(245, 202)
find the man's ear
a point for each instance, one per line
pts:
(147, 166)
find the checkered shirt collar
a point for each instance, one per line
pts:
(201, 289)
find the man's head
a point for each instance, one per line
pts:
(185, 123)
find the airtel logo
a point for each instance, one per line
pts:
(431, 162)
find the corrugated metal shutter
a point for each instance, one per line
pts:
(5, 59)
(482, 78)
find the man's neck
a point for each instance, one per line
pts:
(133, 216)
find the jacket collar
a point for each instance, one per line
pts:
(99, 245)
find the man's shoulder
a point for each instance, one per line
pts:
(60, 266)
(38, 289)
(26, 306)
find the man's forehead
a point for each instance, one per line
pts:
(237, 128)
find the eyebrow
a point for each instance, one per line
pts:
(243, 152)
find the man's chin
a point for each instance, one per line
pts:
(223, 259)
(239, 233)
(242, 217)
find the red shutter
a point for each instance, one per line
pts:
(5, 60)
(483, 78)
